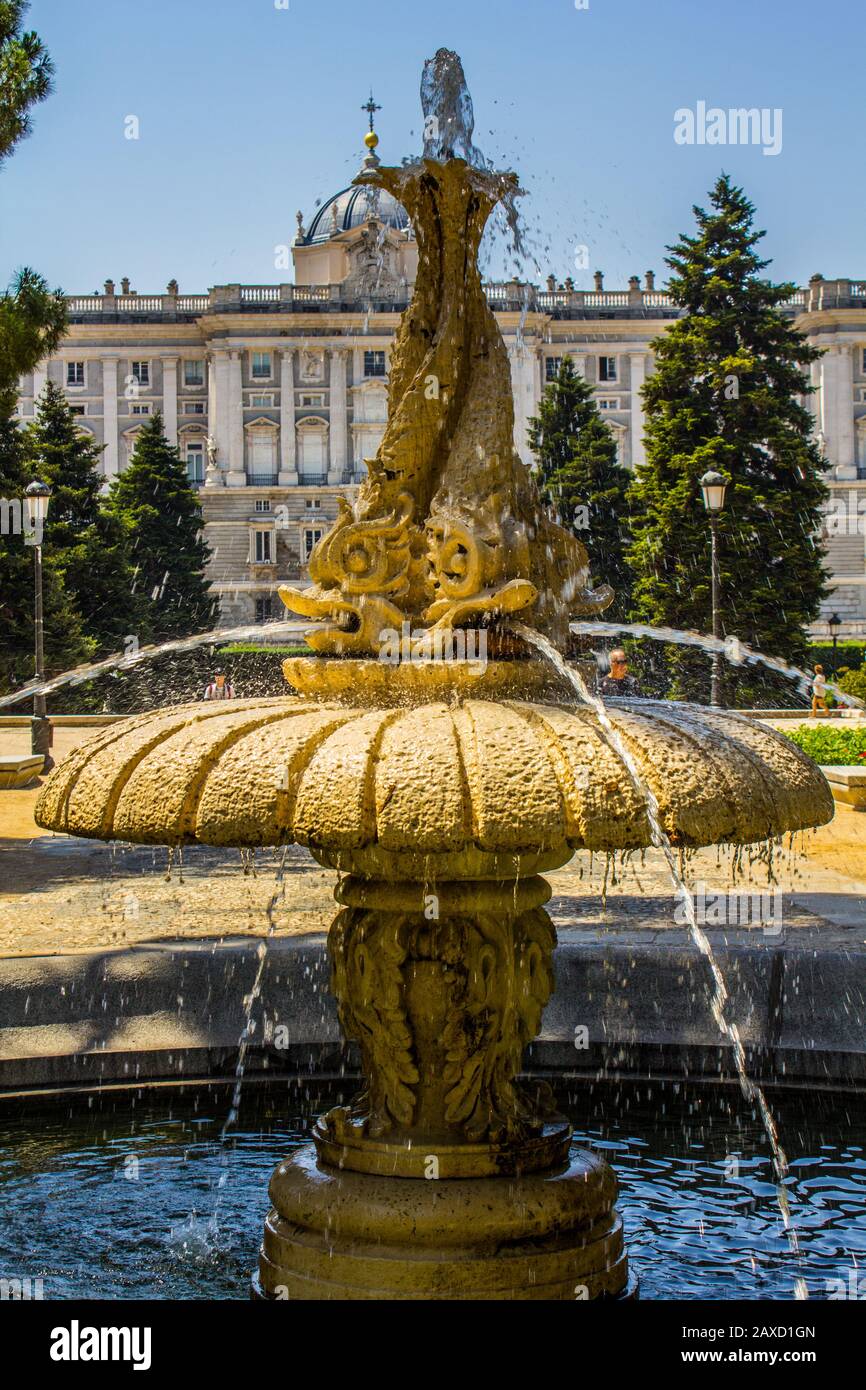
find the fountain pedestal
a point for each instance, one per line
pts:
(447, 1178)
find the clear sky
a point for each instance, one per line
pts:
(248, 112)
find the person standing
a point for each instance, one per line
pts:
(219, 688)
(819, 690)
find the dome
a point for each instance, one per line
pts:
(352, 208)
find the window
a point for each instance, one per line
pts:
(193, 372)
(607, 369)
(314, 400)
(193, 408)
(195, 463)
(551, 368)
(141, 410)
(608, 403)
(141, 372)
(262, 547)
(263, 504)
(312, 535)
(312, 504)
(374, 363)
(863, 363)
(261, 453)
(74, 373)
(77, 409)
(262, 366)
(264, 610)
(263, 402)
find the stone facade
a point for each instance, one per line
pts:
(276, 394)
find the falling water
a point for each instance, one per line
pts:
(252, 997)
(449, 126)
(751, 1090)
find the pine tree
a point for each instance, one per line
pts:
(65, 642)
(581, 478)
(89, 544)
(724, 396)
(25, 74)
(154, 501)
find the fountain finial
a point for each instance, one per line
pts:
(448, 530)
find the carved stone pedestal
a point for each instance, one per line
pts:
(446, 1178)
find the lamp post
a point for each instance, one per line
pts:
(834, 622)
(37, 496)
(713, 486)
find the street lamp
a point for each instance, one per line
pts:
(713, 486)
(834, 622)
(37, 496)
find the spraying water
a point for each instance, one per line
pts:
(731, 648)
(122, 661)
(719, 994)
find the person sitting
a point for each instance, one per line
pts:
(618, 681)
(219, 688)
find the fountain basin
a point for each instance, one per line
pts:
(137, 1177)
(477, 789)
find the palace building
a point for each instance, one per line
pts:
(277, 394)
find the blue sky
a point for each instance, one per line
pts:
(248, 112)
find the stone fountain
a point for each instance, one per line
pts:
(441, 787)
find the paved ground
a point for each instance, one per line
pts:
(60, 894)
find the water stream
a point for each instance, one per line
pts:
(719, 994)
(731, 648)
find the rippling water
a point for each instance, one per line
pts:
(134, 1197)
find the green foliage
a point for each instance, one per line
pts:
(853, 682)
(581, 479)
(65, 642)
(724, 396)
(32, 322)
(849, 655)
(240, 648)
(25, 75)
(830, 745)
(154, 502)
(91, 546)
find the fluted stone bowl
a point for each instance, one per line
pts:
(475, 789)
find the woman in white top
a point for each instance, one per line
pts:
(819, 687)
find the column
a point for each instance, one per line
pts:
(288, 475)
(169, 398)
(236, 476)
(337, 400)
(110, 461)
(837, 400)
(40, 376)
(524, 368)
(217, 410)
(637, 369)
(813, 401)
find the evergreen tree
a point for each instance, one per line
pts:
(724, 397)
(64, 641)
(90, 544)
(154, 501)
(581, 478)
(25, 74)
